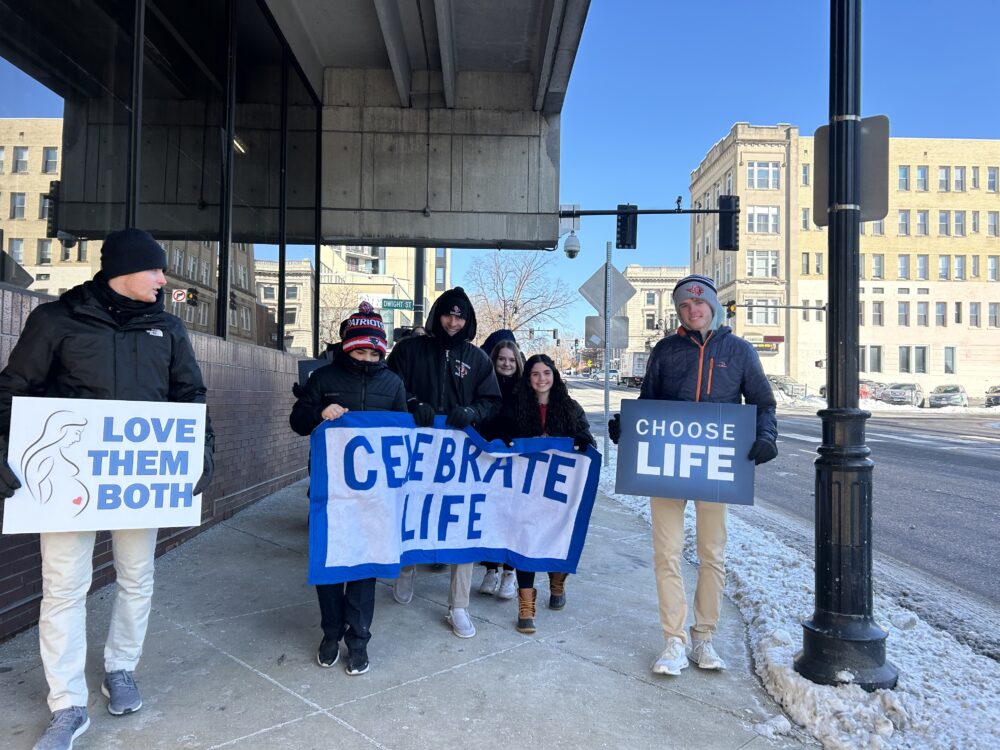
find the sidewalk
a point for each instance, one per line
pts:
(229, 659)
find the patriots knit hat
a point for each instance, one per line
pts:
(453, 302)
(365, 330)
(696, 286)
(129, 251)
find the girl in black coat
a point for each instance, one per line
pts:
(544, 408)
(357, 380)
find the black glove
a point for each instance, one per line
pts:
(8, 482)
(581, 442)
(460, 417)
(423, 415)
(207, 471)
(762, 451)
(296, 390)
(615, 428)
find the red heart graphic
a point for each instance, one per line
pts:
(77, 500)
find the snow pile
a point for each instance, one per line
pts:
(947, 696)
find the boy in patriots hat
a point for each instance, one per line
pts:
(703, 361)
(356, 380)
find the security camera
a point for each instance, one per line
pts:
(66, 239)
(572, 245)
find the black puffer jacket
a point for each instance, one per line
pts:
(725, 369)
(357, 386)
(445, 378)
(74, 348)
(503, 424)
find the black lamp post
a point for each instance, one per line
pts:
(842, 635)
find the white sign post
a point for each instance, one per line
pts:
(92, 465)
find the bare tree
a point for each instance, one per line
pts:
(518, 290)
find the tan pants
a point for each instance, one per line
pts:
(668, 545)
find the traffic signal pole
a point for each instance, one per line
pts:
(841, 636)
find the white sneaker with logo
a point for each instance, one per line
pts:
(703, 655)
(672, 660)
(490, 584)
(508, 585)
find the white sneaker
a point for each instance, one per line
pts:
(461, 625)
(703, 655)
(402, 587)
(672, 660)
(490, 584)
(508, 585)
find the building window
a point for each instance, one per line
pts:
(949, 360)
(650, 321)
(15, 247)
(762, 312)
(17, 205)
(193, 267)
(763, 175)
(729, 182)
(922, 223)
(923, 318)
(922, 178)
(903, 313)
(204, 272)
(3, 154)
(178, 261)
(805, 174)
(291, 292)
(974, 310)
(805, 264)
(203, 315)
(904, 359)
(878, 228)
(819, 263)
(992, 219)
(958, 313)
(861, 312)
(975, 222)
(878, 266)
(291, 314)
(960, 268)
(861, 265)
(940, 313)
(991, 179)
(994, 312)
(874, 359)
(20, 160)
(877, 313)
(44, 206)
(920, 359)
(50, 155)
(904, 223)
(762, 219)
(959, 179)
(44, 252)
(81, 251)
(805, 219)
(923, 267)
(439, 279)
(267, 292)
(805, 309)
(960, 223)
(65, 254)
(245, 318)
(975, 266)
(992, 263)
(903, 266)
(944, 179)
(762, 263)
(904, 177)
(944, 263)
(650, 298)
(944, 223)
(438, 252)
(975, 178)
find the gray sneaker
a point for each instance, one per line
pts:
(122, 693)
(67, 724)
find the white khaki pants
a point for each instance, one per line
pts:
(67, 571)
(668, 545)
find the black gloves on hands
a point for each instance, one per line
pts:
(581, 442)
(762, 451)
(8, 482)
(423, 415)
(615, 428)
(296, 390)
(460, 417)
(207, 471)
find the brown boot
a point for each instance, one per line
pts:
(557, 590)
(526, 610)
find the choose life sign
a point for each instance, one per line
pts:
(687, 450)
(384, 494)
(92, 465)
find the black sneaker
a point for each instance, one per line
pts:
(329, 652)
(357, 661)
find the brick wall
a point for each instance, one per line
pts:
(256, 453)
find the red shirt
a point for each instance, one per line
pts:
(542, 409)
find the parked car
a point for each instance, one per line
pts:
(904, 393)
(948, 395)
(993, 395)
(787, 385)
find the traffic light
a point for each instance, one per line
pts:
(192, 297)
(555, 333)
(52, 219)
(531, 333)
(731, 309)
(729, 222)
(558, 343)
(628, 225)
(576, 343)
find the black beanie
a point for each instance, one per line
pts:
(129, 251)
(454, 302)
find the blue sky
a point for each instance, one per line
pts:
(657, 82)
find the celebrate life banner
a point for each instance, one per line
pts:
(93, 464)
(384, 494)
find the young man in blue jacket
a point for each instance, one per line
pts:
(703, 361)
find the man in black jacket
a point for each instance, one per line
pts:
(446, 374)
(108, 338)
